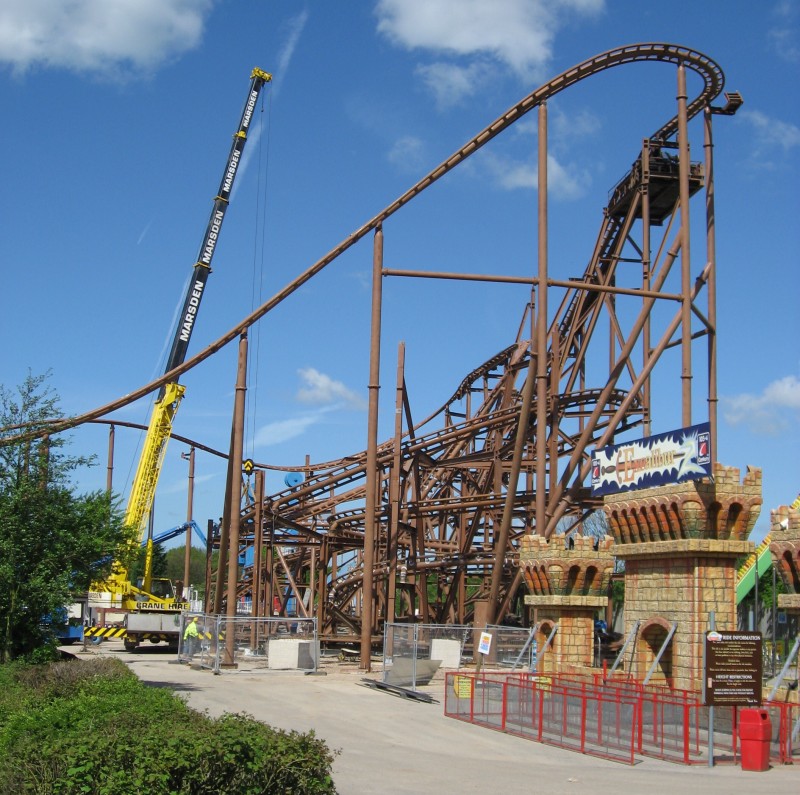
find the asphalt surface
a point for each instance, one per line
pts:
(391, 745)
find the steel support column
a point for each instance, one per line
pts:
(235, 493)
(684, 166)
(371, 502)
(189, 519)
(110, 467)
(541, 332)
(711, 255)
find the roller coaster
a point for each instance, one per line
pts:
(425, 525)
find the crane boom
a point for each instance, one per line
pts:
(142, 495)
(202, 267)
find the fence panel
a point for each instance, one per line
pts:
(414, 653)
(256, 643)
(511, 647)
(573, 716)
(785, 719)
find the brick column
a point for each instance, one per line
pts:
(680, 544)
(568, 579)
(573, 644)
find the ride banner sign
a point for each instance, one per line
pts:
(671, 457)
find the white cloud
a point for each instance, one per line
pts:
(563, 181)
(517, 34)
(765, 413)
(450, 83)
(284, 430)
(321, 389)
(295, 28)
(771, 133)
(179, 486)
(104, 37)
(785, 35)
(407, 153)
(571, 126)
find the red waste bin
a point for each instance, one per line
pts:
(755, 733)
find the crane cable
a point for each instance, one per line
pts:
(257, 277)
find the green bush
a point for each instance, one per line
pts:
(91, 728)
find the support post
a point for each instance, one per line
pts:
(258, 545)
(371, 502)
(394, 487)
(541, 332)
(536, 379)
(235, 494)
(684, 166)
(189, 518)
(646, 272)
(711, 254)
(110, 467)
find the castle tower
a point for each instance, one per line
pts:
(568, 579)
(680, 544)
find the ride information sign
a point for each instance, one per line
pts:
(733, 669)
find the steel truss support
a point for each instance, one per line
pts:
(427, 525)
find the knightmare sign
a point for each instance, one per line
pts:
(672, 457)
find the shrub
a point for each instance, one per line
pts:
(92, 728)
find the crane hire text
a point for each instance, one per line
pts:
(191, 311)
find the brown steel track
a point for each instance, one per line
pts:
(437, 510)
(443, 490)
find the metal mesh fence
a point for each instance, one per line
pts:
(569, 715)
(276, 644)
(414, 653)
(613, 719)
(511, 647)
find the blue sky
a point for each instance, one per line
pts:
(117, 122)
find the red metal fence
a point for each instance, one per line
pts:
(615, 719)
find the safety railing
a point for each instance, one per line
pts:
(617, 719)
(569, 715)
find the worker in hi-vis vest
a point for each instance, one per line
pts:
(191, 637)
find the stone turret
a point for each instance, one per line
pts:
(723, 509)
(680, 544)
(568, 579)
(567, 566)
(785, 550)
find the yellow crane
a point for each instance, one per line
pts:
(153, 608)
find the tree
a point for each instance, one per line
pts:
(31, 408)
(175, 561)
(53, 542)
(594, 525)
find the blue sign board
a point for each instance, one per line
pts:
(672, 457)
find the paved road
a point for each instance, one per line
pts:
(392, 745)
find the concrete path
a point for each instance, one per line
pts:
(391, 745)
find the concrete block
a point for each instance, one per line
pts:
(290, 654)
(448, 651)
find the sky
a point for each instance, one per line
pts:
(118, 117)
